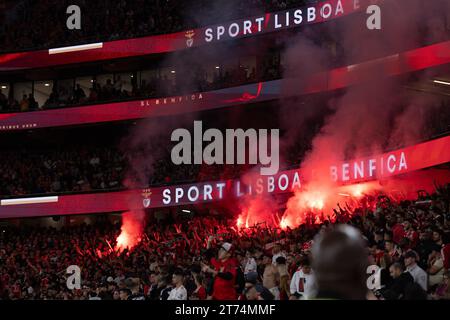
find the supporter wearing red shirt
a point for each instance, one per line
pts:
(200, 291)
(398, 233)
(224, 272)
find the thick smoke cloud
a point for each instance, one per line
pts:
(376, 114)
(146, 146)
(146, 151)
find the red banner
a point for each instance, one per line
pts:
(390, 164)
(138, 109)
(266, 23)
(410, 61)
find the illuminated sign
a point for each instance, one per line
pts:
(395, 163)
(269, 22)
(369, 168)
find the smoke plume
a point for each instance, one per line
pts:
(366, 118)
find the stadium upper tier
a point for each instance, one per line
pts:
(107, 20)
(138, 103)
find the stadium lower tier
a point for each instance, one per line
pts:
(148, 259)
(403, 171)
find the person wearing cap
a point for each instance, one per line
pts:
(419, 275)
(224, 271)
(178, 292)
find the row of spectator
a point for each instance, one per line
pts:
(209, 258)
(121, 88)
(32, 25)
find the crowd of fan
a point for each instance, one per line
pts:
(60, 171)
(111, 20)
(154, 87)
(85, 169)
(209, 258)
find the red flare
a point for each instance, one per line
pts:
(131, 230)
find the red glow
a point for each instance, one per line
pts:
(284, 223)
(311, 200)
(257, 211)
(315, 202)
(239, 222)
(359, 190)
(131, 231)
(242, 222)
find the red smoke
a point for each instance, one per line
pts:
(316, 202)
(131, 230)
(367, 117)
(312, 199)
(144, 147)
(257, 211)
